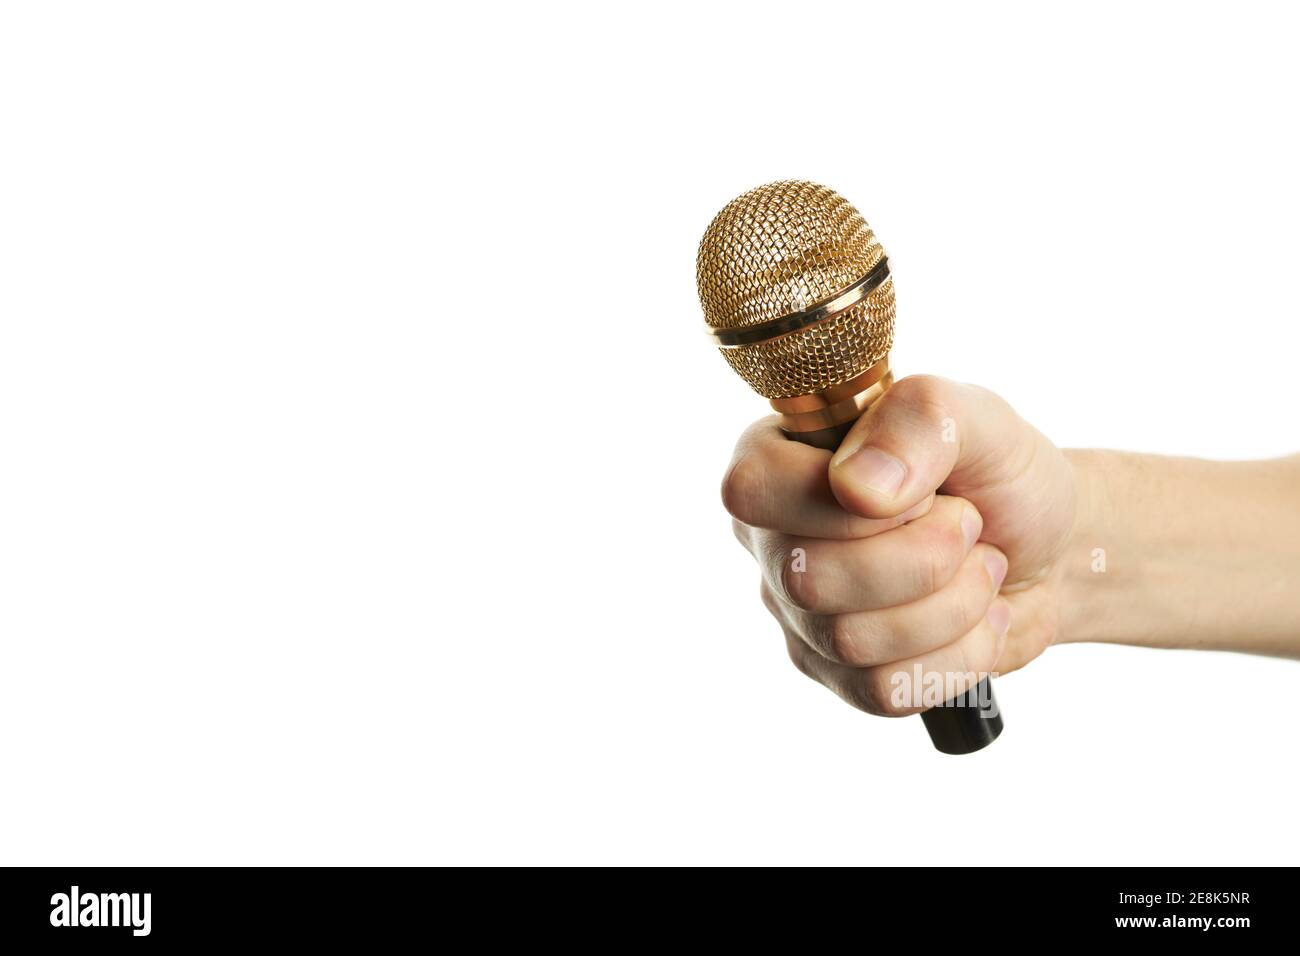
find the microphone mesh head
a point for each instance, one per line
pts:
(780, 249)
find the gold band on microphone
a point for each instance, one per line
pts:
(785, 324)
(836, 405)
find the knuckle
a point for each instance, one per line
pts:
(926, 394)
(743, 487)
(798, 657)
(840, 642)
(883, 691)
(802, 588)
(846, 642)
(871, 691)
(937, 556)
(993, 398)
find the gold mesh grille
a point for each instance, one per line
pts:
(779, 249)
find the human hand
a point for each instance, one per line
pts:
(892, 553)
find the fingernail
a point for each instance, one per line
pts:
(999, 617)
(996, 562)
(875, 470)
(971, 525)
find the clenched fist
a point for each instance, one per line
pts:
(933, 536)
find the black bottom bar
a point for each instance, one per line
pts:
(967, 723)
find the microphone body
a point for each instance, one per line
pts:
(798, 298)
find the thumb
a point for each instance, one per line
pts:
(924, 433)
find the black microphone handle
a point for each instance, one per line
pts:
(971, 720)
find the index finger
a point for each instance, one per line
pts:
(780, 484)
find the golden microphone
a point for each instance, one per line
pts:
(798, 298)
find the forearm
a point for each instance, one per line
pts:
(1180, 552)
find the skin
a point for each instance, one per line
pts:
(947, 533)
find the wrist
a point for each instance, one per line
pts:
(1084, 562)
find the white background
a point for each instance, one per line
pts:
(359, 447)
